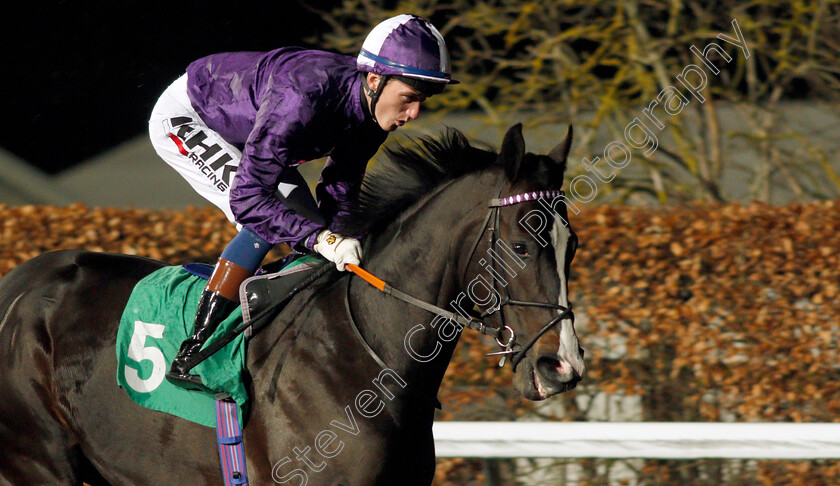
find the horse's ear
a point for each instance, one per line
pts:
(513, 151)
(559, 153)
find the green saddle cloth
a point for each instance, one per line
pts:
(158, 317)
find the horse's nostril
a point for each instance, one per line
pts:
(550, 367)
(556, 371)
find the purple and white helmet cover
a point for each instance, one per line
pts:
(406, 45)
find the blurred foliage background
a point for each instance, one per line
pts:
(597, 64)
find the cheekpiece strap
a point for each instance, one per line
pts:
(528, 196)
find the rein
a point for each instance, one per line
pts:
(386, 288)
(491, 225)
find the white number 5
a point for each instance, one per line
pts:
(138, 351)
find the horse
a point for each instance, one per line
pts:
(346, 398)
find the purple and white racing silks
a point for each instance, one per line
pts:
(282, 108)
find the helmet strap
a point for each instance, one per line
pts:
(374, 95)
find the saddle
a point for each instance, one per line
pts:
(270, 287)
(268, 290)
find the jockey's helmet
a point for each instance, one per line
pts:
(410, 49)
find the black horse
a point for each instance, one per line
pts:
(344, 381)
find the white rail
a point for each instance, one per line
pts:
(651, 440)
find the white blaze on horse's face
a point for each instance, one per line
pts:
(569, 353)
(554, 364)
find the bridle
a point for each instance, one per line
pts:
(491, 225)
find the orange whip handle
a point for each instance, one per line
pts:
(367, 276)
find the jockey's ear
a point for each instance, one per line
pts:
(372, 80)
(513, 151)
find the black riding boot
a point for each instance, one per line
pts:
(212, 310)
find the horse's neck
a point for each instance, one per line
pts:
(422, 255)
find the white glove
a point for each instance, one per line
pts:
(338, 249)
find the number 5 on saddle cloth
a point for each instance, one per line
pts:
(159, 315)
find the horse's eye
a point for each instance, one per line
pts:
(520, 249)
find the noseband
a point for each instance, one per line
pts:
(492, 226)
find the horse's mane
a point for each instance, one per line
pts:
(409, 172)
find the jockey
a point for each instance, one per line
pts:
(237, 125)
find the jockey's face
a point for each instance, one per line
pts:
(398, 103)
